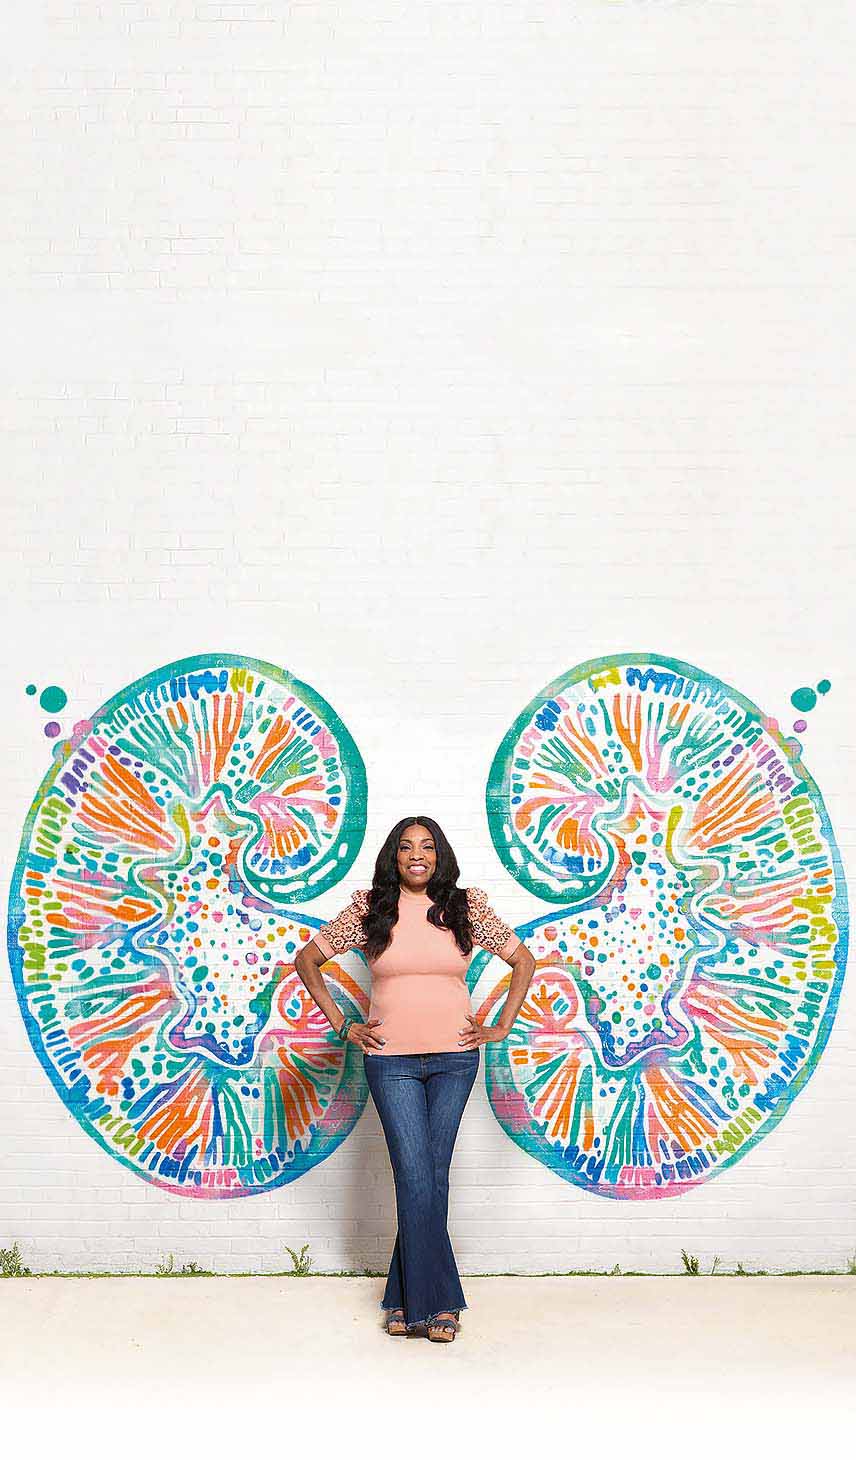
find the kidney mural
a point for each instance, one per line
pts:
(689, 973)
(154, 916)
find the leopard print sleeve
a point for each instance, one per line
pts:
(345, 930)
(487, 926)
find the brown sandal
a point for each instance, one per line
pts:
(395, 1323)
(448, 1327)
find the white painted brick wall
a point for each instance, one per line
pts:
(428, 349)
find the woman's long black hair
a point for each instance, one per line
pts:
(449, 906)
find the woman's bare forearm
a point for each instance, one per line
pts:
(307, 966)
(523, 966)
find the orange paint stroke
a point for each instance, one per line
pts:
(743, 1053)
(298, 1093)
(155, 998)
(185, 1119)
(555, 1101)
(738, 804)
(125, 811)
(720, 1010)
(582, 745)
(111, 1057)
(212, 740)
(280, 735)
(686, 1123)
(628, 726)
(228, 718)
(93, 908)
(572, 831)
(285, 832)
(759, 905)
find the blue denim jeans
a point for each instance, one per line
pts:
(420, 1099)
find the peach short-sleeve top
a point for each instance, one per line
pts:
(419, 981)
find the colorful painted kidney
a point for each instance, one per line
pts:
(153, 924)
(687, 981)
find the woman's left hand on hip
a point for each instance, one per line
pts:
(474, 1033)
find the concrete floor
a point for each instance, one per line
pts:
(621, 1359)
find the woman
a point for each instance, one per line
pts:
(420, 1045)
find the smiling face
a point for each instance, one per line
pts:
(417, 858)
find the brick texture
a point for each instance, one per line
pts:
(428, 349)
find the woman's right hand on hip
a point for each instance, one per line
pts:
(364, 1036)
